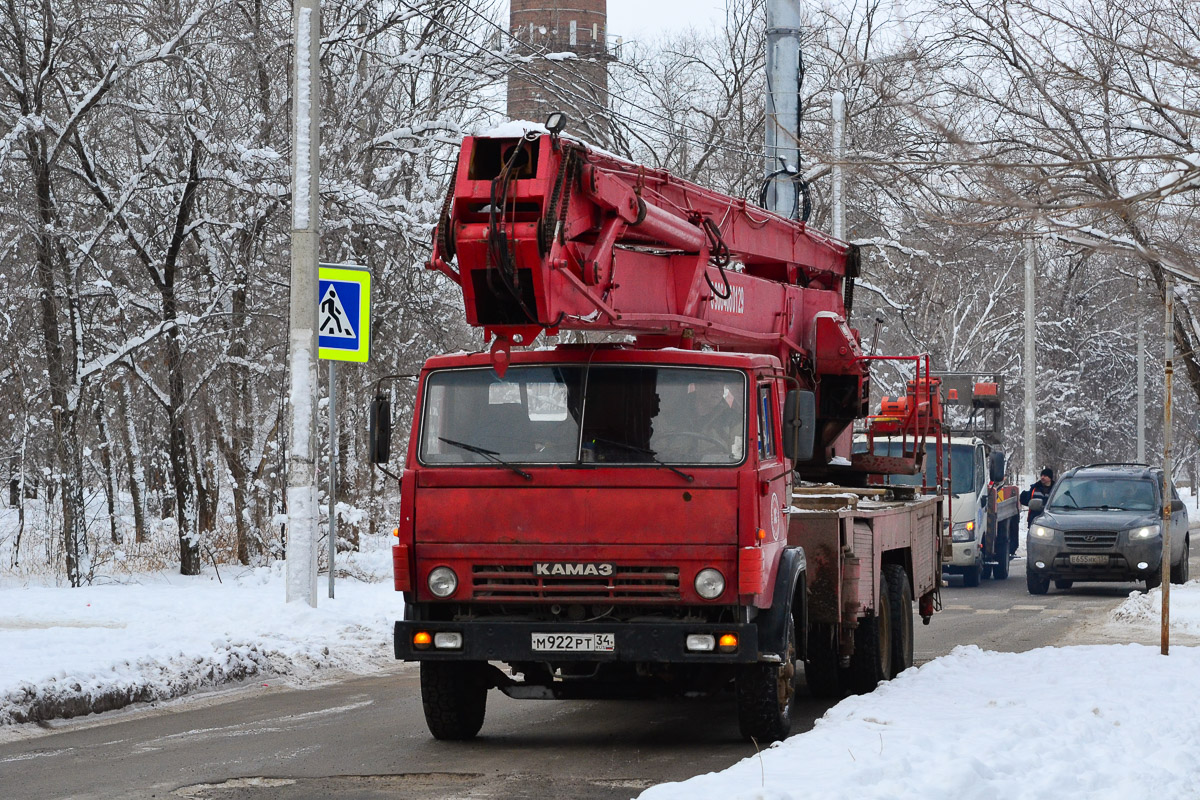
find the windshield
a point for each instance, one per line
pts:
(960, 461)
(1126, 494)
(576, 414)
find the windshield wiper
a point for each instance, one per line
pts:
(653, 456)
(470, 448)
(1074, 503)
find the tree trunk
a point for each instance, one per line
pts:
(106, 461)
(133, 463)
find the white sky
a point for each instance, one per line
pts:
(644, 19)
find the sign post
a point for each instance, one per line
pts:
(344, 334)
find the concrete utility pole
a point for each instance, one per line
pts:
(1169, 373)
(1141, 396)
(302, 329)
(1030, 366)
(783, 102)
(837, 189)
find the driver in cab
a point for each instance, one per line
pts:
(712, 424)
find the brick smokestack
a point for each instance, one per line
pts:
(579, 86)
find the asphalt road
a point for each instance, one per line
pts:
(365, 738)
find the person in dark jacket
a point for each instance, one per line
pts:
(1041, 488)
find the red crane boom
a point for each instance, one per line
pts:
(551, 235)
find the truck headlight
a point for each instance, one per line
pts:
(442, 582)
(710, 583)
(1146, 532)
(963, 532)
(1041, 532)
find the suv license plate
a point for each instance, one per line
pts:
(1089, 559)
(574, 642)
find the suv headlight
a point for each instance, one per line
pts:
(963, 532)
(1041, 532)
(442, 582)
(1145, 532)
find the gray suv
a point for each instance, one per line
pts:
(1103, 522)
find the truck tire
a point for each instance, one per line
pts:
(872, 659)
(985, 571)
(1000, 568)
(900, 602)
(973, 575)
(454, 696)
(1063, 584)
(821, 668)
(1036, 583)
(764, 695)
(1180, 572)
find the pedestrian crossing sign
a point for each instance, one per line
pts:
(344, 313)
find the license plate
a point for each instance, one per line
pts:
(574, 642)
(1089, 559)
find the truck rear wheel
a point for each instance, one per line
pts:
(900, 602)
(872, 659)
(973, 574)
(454, 696)
(821, 670)
(764, 695)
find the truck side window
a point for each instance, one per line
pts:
(766, 422)
(980, 468)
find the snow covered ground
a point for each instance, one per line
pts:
(1104, 721)
(70, 651)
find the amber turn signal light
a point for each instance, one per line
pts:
(422, 640)
(728, 642)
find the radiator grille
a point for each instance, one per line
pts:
(1091, 540)
(518, 582)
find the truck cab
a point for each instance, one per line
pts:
(607, 522)
(979, 541)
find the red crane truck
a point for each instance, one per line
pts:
(617, 519)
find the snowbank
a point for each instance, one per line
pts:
(1142, 609)
(69, 652)
(1079, 722)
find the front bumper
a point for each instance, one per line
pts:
(963, 555)
(1053, 560)
(659, 642)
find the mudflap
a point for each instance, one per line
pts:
(772, 630)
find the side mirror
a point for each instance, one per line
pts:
(996, 467)
(1036, 505)
(379, 441)
(799, 424)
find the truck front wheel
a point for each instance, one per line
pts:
(764, 695)
(454, 696)
(973, 574)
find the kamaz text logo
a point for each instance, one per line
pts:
(735, 303)
(561, 568)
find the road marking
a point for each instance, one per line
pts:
(953, 607)
(991, 611)
(1028, 608)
